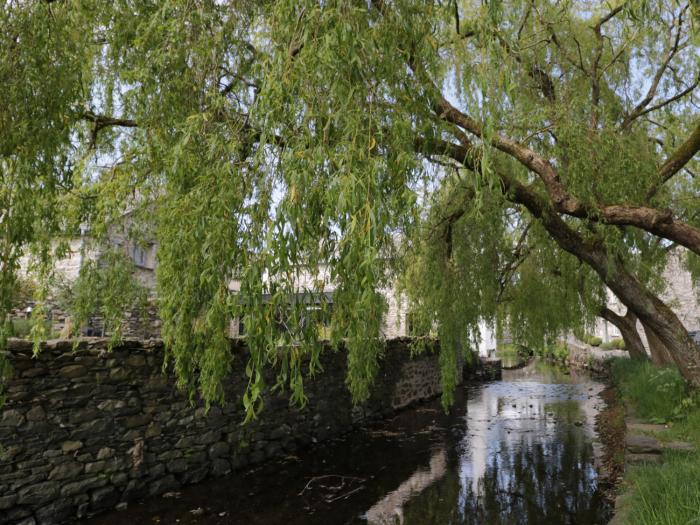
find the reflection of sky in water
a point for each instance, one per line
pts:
(509, 453)
(524, 456)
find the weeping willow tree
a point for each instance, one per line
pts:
(513, 157)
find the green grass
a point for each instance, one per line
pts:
(21, 328)
(655, 394)
(667, 494)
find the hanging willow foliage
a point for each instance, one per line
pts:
(492, 158)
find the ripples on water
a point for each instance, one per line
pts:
(517, 451)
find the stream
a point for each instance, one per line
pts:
(516, 451)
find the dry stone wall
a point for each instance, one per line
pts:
(86, 431)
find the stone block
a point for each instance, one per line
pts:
(83, 485)
(219, 449)
(119, 479)
(73, 371)
(36, 413)
(163, 485)
(105, 453)
(104, 498)
(136, 360)
(220, 467)
(96, 467)
(11, 418)
(38, 493)
(194, 475)
(177, 466)
(58, 511)
(641, 444)
(138, 420)
(68, 470)
(119, 374)
(153, 430)
(7, 501)
(111, 405)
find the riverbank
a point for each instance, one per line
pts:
(86, 430)
(516, 451)
(661, 482)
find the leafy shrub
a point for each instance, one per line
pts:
(23, 291)
(558, 352)
(592, 340)
(22, 328)
(614, 344)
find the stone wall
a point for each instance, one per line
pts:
(86, 431)
(582, 355)
(139, 324)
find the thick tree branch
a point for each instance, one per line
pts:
(526, 156)
(104, 121)
(671, 99)
(677, 160)
(627, 325)
(658, 222)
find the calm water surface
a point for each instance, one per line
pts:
(517, 451)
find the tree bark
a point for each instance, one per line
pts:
(627, 325)
(656, 221)
(650, 310)
(660, 355)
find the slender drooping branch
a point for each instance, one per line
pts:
(518, 257)
(596, 72)
(668, 56)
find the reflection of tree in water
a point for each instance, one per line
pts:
(551, 481)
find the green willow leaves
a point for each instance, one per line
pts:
(264, 142)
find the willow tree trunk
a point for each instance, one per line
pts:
(650, 310)
(660, 355)
(627, 325)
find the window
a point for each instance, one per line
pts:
(139, 256)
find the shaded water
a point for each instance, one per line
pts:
(517, 451)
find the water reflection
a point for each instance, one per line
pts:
(389, 510)
(515, 451)
(525, 456)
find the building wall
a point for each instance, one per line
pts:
(69, 266)
(83, 431)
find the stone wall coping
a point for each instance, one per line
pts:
(98, 346)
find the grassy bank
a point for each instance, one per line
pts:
(668, 493)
